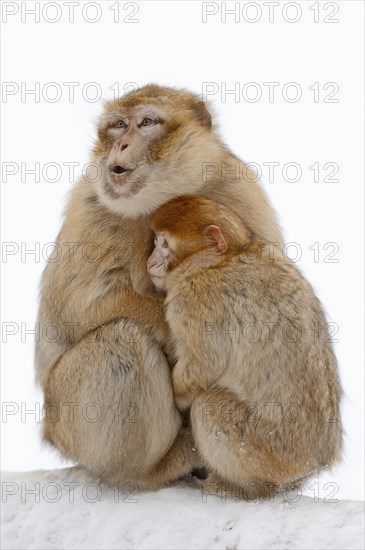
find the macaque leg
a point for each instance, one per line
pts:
(110, 407)
(179, 461)
(250, 490)
(236, 448)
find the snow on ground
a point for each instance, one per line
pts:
(65, 509)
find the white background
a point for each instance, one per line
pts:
(171, 45)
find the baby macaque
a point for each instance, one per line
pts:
(254, 359)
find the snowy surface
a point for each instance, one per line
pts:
(66, 509)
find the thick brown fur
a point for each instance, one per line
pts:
(254, 356)
(104, 332)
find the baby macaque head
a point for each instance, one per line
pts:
(189, 225)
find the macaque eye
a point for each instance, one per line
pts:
(147, 122)
(119, 124)
(165, 244)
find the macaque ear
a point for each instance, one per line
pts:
(202, 113)
(213, 237)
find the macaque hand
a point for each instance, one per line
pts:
(184, 401)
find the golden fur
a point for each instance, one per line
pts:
(254, 357)
(111, 331)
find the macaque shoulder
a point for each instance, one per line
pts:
(202, 295)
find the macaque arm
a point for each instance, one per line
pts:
(190, 377)
(201, 350)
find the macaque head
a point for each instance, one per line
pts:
(144, 150)
(189, 225)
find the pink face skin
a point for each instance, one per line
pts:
(133, 130)
(159, 261)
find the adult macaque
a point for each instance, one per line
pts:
(254, 359)
(102, 365)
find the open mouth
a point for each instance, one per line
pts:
(117, 170)
(119, 175)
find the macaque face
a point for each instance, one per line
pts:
(171, 249)
(128, 135)
(159, 262)
(143, 155)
